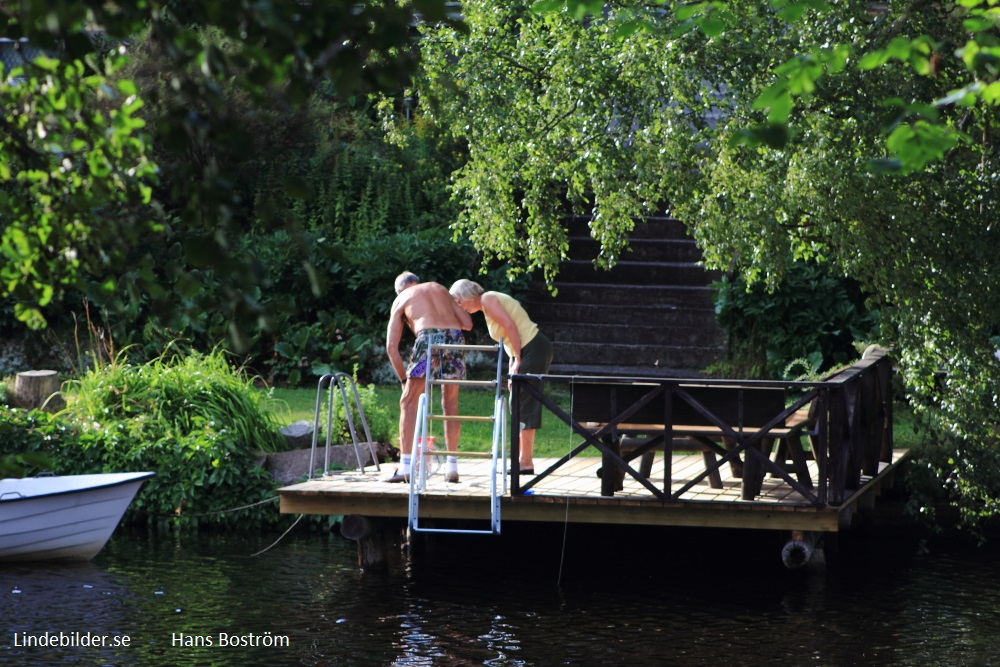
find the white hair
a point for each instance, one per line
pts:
(466, 289)
(406, 279)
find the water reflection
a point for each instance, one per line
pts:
(678, 598)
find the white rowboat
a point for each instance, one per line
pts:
(68, 517)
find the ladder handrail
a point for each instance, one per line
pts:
(498, 449)
(467, 383)
(339, 380)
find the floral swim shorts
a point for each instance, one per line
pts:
(445, 364)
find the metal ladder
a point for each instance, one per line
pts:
(340, 381)
(498, 451)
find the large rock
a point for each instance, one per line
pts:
(298, 434)
(293, 466)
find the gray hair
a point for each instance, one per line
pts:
(466, 289)
(406, 279)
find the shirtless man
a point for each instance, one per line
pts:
(432, 314)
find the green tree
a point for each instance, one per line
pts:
(91, 231)
(551, 109)
(857, 134)
(74, 161)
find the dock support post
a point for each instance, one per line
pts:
(798, 551)
(370, 536)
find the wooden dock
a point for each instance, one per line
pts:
(799, 456)
(572, 493)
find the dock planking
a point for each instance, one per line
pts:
(572, 493)
(737, 424)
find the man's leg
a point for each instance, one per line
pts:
(408, 402)
(527, 447)
(452, 429)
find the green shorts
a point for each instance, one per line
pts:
(536, 357)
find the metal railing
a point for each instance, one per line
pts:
(331, 382)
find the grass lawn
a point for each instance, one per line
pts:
(552, 440)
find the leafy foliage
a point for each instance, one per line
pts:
(73, 159)
(192, 419)
(212, 64)
(811, 318)
(35, 441)
(343, 324)
(846, 134)
(550, 108)
(176, 395)
(307, 351)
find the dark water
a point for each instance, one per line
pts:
(549, 596)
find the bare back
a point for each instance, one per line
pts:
(423, 306)
(430, 306)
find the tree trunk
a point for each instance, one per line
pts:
(38, 389)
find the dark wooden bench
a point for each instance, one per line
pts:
(637, 419)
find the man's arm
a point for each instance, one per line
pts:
(393, 334)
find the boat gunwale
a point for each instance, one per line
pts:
(129, 479)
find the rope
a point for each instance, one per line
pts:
(235, 509)
(185, 516)
(569, 447)
(280, 538)
(562, 555)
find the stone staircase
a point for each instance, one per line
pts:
(652, 314)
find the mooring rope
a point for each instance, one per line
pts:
(174, 515)
(235, 509)
(569, 448)
(562, 556)
(280, 538)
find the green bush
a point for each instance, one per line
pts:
(327, 213)
(342, 324)
(381, 423)
(29, 439)
(306, 351)
(176, 395)
(812, 318)
(199, 476)
(192, 419)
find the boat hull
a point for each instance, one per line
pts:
(67, 517)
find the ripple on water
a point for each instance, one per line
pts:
(890, 606)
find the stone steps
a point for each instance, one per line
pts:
(559, 313)
(652, 314)
(630, 272)
(663, 334)
(634, 355)
(649, 250)
(666, 297)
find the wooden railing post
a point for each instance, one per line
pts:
(885, 382)
(837, 444)
(821, 444)
(515, 434)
